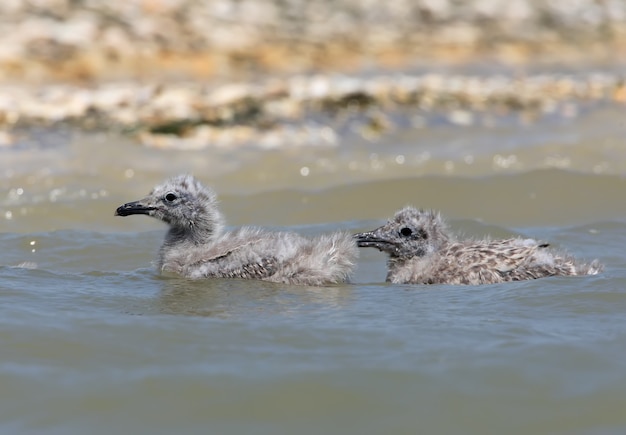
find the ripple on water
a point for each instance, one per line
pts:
(93, 338)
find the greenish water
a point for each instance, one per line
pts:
(93, 341)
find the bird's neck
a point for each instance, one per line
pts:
(415, 258)
(179, 242)
(193, 236)
(416, 269)
(395, 263)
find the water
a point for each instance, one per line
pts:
(93, 340)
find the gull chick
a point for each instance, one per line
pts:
(422, 251)
(197, 244)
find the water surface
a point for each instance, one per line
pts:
(93, 340)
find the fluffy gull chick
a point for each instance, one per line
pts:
(197, 244)
(421, 251)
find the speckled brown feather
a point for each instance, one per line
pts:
(422, 252)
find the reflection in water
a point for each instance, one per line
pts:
(235, 298)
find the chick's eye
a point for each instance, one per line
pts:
(170, 197)
(406, 232)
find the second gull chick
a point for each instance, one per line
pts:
(421, 251)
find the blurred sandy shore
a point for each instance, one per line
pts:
(304, 110)
(92, 39)
(188, 74)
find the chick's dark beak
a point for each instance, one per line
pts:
(368, 239)
(130, 208)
